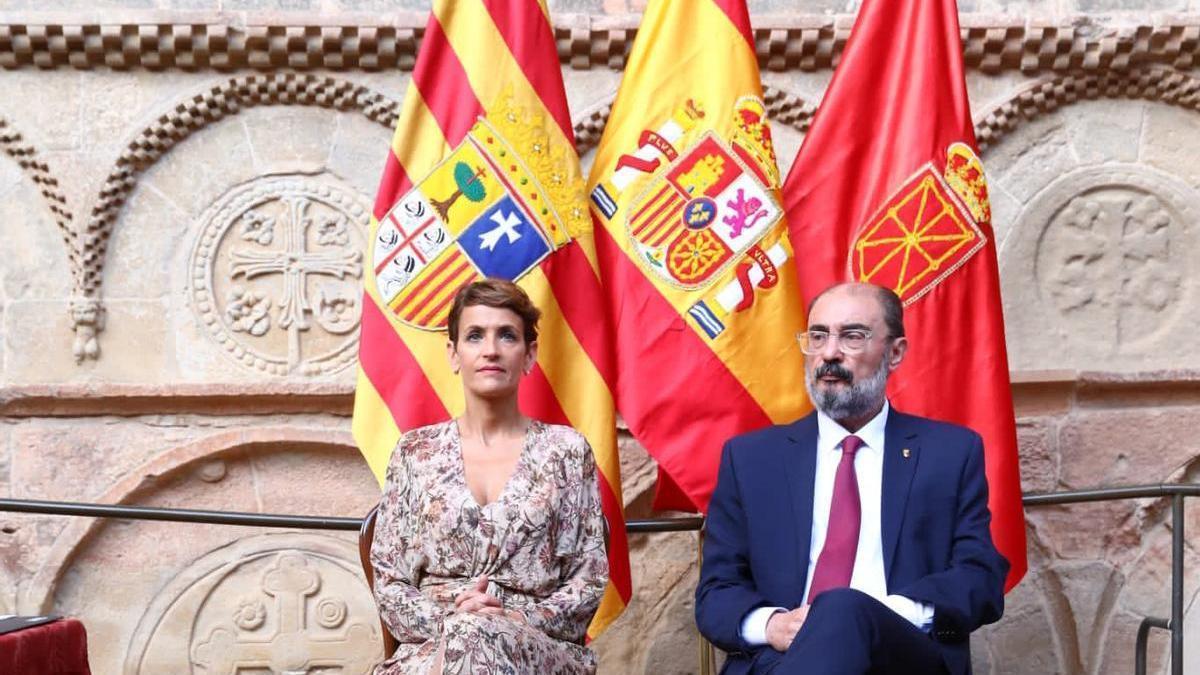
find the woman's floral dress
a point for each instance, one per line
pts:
(541, 543)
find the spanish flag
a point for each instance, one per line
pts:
(889, 188)
(483, 181)
(699, 275)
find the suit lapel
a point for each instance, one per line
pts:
(800, 461)
(900, 439)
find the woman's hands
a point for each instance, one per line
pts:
(476, 599)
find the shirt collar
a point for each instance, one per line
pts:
(830, 433)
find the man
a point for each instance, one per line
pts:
(856, 539)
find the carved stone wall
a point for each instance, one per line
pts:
(183, 198)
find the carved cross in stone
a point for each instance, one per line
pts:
(295, 262)
(294, 649)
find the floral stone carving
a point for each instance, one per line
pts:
(1100, 268)
(275, 274)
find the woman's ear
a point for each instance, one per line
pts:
(531, 357)
(452, 356)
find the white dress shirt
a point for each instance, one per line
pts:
(868, 575)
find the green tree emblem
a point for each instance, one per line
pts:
(469, 186)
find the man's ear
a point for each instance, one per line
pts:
(896, 352)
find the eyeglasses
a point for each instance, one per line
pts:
(850, 341)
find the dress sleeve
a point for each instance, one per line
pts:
(409, 615)
(580, 551)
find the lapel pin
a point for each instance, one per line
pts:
(906, 452)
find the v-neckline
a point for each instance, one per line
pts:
(462, 464)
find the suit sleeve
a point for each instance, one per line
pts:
(970, 591)
(726, 592)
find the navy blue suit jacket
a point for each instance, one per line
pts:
(937, 547)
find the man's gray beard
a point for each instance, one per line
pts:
(860, 398)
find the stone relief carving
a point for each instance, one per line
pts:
(248, 312)
(278, 603)
(1109, 249)
(334, 309)
(258, 227)
(296, 645)
(13, 144)
(250, 613)
(184, 119)
(275, 274)
(87, 317)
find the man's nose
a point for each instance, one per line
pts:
(832, 350)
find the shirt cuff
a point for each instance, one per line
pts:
(754, 625)
(917, 613)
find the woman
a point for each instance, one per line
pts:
(489, 549)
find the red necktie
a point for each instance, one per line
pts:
(836, 562)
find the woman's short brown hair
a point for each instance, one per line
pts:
(498, 293)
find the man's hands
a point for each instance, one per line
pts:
(476, 599)
(783, 626)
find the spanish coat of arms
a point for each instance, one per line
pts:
(703, 205)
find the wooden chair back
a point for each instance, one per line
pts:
(366, 536)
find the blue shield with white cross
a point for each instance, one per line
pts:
(502, 242)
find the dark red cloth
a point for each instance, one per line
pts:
(888, 188)
(56, 648)
(835, 565)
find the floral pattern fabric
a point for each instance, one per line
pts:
(541, 544)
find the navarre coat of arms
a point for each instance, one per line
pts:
(927, 229)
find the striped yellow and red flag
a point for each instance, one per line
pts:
(699, 274)
(483, 181)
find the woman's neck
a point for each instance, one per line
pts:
(488, 420)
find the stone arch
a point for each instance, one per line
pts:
(186, 118)
(38, 595)
(24, 154)
(1050, 94)
(13, 144)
